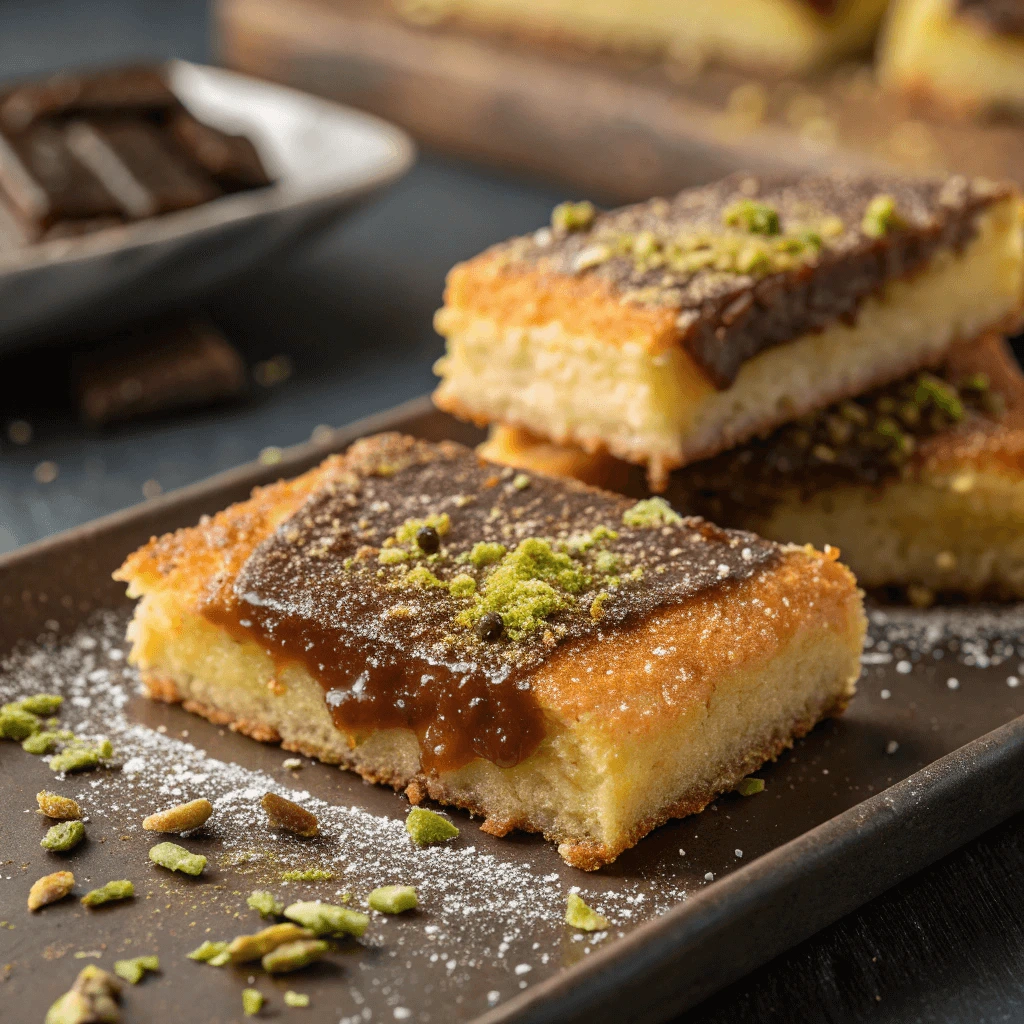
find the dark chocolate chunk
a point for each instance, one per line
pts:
(155, 370)
(135, 164)
(42, 179)
(139, 89)
(230, 159)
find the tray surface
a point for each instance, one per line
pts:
(489, 938)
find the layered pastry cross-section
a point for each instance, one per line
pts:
(781, 36)
(549, 656)
(920, 483)
(666, 332)
(967, 55)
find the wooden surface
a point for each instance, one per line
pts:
(610, 127)
(352, 311)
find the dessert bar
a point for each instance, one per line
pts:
(781, 36)
(669, 331)
(552, 657)
(965, 55)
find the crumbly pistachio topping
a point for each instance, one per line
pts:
(750, 786)
(568, 217)
(327, 919)
(82, 757)
(134, 969)
(92, 999)
(880, 217)
(109, 893)
(298, 1000)
(307, 875)
(252, 1001)
(63, 837)
(210, 952)
(50, 888)
(651, 513)
(246, 948)
(288, 815)
(60, 808)
(177, 858)
(16, 723)
(265, 903)
(428, 827)
(293, 956)
(393, 899)
(182, 818)
(579, 915)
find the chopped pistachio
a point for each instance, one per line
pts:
(63, 837)
(579, 915)
(486, 553)
(293, 956)
(528, 585)
(607, 562)
(177, 858)
(41, 703)
(393, 899)
(327, 919)
(290, 816)
(209, 952)
(265, 903)
(940, 394)
(427, 827)
(462, 585)
(976, 382)
(92, 999)
(758, 218)
(252, 1001)
(583, 542)
(182, 818)
(50, 888)
(421, 577)
(41, 742)
(296, 999)
(750, 786)
(393, 556)
(407, 532)
(569, 217)
(119, 890)
(76, 759)
(307, 875)
(880, 217)
(17, 724)
(520, 481)
(134, 969)
(597, 605)
(651, 512)
(61, 808)
(245, 948)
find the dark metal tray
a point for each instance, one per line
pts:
(927, 757)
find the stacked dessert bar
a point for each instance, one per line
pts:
(820, 360)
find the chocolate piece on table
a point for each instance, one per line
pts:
(137, 166)
(139, 89)
(146, 372)
(231, 159)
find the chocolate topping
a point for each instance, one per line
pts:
(748, 264)
(445, 643)
(1003, 17)
(869, 440)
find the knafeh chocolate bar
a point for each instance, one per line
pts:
(551, 657)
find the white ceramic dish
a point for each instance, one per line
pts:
(324, 158)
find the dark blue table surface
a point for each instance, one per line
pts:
(353, 312)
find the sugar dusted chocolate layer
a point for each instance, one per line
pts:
(443, 638)
(749, 264)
